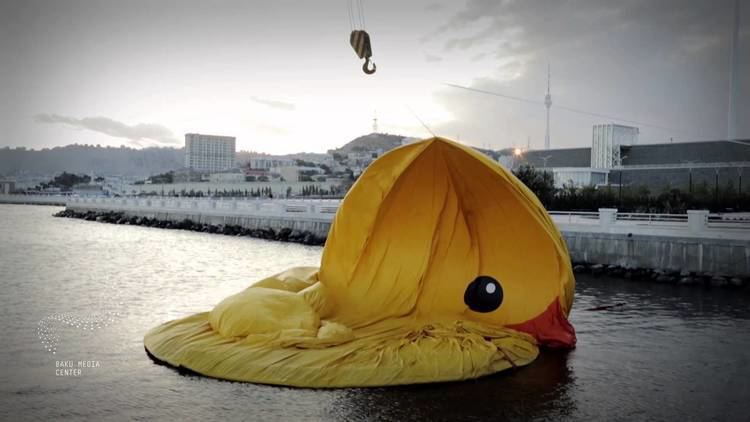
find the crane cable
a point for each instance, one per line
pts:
(359, 38)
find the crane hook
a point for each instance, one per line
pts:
(366, 69)
(360, 42)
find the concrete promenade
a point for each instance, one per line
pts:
(34, 199)
(696, 242)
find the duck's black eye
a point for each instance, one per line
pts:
(484, 294)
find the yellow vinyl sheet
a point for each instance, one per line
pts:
(440, 265)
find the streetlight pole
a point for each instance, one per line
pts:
(739, 179)
(716, 188)
(690, 176)
(545, 158)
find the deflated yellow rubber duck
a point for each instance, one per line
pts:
(440, 265)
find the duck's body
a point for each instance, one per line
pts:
(439, 266)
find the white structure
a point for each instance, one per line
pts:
(579, 176)
(7, 187)
(606, 142)
(292, 173)
(209, 152)
(269, 162)
(361, 156)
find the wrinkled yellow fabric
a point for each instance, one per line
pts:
(387, 304)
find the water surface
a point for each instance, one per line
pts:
(670, 353)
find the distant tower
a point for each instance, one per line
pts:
(548, 104)
(733, 71)
(375, 124)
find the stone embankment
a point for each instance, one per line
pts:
(284, 234)
(683, 278)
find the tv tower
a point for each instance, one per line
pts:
(375, 123)
(548, 104)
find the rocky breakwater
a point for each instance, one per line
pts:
(113, 217)
(683, 278)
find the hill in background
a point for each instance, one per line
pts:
(124, 161)
(371, 142)
(85, 159)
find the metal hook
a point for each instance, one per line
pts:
(365, 67)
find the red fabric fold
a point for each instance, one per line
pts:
(551, 328)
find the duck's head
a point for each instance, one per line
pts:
(438, 230)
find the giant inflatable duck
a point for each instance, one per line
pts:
(440, 265)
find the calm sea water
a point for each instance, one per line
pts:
(671, 353)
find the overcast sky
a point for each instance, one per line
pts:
(281, 76)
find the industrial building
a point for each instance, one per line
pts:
(209, 153)
(616, 158)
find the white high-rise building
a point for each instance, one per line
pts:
(209, 153)
(606, 142)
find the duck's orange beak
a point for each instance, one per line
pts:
(551, 328)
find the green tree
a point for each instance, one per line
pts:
(542, 183)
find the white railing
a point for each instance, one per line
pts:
(652, 218)
(696, 223)
(318, 209)
(580, 217)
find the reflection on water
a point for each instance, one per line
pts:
(669, 353)
(538, 390)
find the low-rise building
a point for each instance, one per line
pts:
(88, 189)
(7, 187)
(227, 177)
(293, 173)
(269, 162)
(579, 176)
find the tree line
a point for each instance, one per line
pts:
(638, 199)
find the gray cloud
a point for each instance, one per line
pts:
(479, 56)
(142, 134)
(660, 62)
(434, 7)
(280, 105)
(431, 58)
(521, 26)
